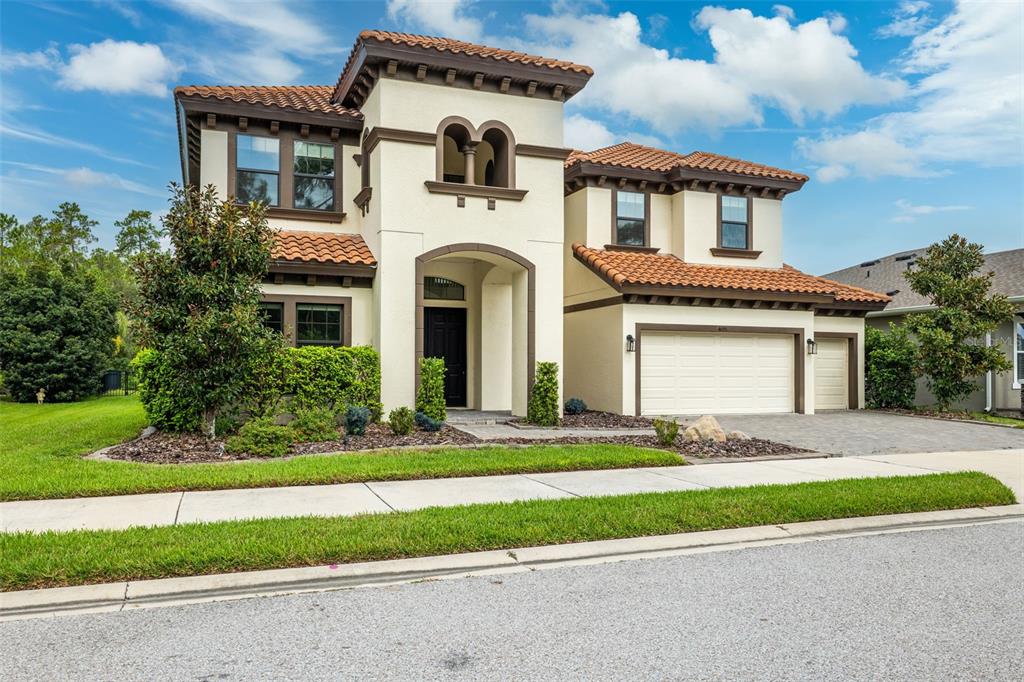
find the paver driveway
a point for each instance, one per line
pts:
(861, 432)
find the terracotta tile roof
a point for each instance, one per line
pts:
(630, 155)
(313, 98)
(632, 268)
(330, 248)
(461, 47)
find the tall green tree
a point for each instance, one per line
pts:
(951, 349)
(199, 304)
(56, 332)
(8, 233)
(137, 234)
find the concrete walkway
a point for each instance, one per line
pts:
(163, 509)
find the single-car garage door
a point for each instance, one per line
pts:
(708, 373)
(831, 375)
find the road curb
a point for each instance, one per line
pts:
(227, 586)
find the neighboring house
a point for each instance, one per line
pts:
(426, 207)
(994, 392)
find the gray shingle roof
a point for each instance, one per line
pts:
(885, 275)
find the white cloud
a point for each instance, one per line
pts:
(804, 69)
(84, 177)
(253, 67)
(968, 103)
(908, 212)
(836, 22)
(119, 68)
(784, 11)
(440, 17)
(589, 134)
(125, 10)
(21, 132)
(48, 59)
(909, 19)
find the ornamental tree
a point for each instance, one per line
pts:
(198, 304)
(951, 349)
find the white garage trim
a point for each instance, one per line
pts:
(852, 371)
(798, 351)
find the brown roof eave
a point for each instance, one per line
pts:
(685, 174)
(198, 104)
(724, 293)
(315, 268)
(590, 169)
(377, 52)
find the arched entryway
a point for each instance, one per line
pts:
(475, 306)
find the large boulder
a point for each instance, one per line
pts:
(738, 435)
(708, 428)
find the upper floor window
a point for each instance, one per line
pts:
(630, 218)
(314, 176)
(735, 225)
(442, 288)
(475, 155)
(257, 164)
(456, 147)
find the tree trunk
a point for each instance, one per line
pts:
(210, 422)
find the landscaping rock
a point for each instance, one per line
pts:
(737, 435)
(691, 435)
(708, 428)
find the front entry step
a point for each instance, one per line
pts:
(462, 417)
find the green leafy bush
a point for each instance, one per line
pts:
(890, 359)
(167, 402)
(314, 424)
(356, 419)
(260, 437)
(428, 424)
(430, 398)
(542, 409)
(575, 406)
(401, 421)
(57, 329)
(322, 376)
(666, 430)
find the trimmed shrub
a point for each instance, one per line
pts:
(314, 424)
(430, 398)
(168, 405)
(260, 437)
(356, 419)
(226, 424)
(666, 430)
(889, 374)
(543, 407)
(428, 424)
(575, 406)
(323, 376)
(401, 421)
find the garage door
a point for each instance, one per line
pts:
(703, 373)
(831, 375)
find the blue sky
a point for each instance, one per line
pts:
(907, 115)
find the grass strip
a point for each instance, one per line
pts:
(1016, 422)
(41, 448)
(70, 558)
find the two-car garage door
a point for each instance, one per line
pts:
(712, 373)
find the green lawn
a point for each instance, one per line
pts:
(71, 558)
(41, 448)
(998, 419)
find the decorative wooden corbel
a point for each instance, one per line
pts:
(421, 72)
(478, 81)
(392, 68)
(531, 88)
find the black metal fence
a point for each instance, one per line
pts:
(119, 382)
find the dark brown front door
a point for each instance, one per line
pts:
(444, 336)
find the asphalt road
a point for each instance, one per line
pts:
(935, 604)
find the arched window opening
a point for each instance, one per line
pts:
(443, 289)
(498, 144)
(456, 142)
(484, 159)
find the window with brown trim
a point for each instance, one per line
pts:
(319, 324)
(272, 316)
(314, 176)
(734, 231)
(257, 169)
(630, 211)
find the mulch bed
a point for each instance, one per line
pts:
(170, 448)
(753, 447)
(185, 448)
(599, 420)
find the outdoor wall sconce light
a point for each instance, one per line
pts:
(630, 343)
(812, 347)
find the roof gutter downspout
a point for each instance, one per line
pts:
(988, 377)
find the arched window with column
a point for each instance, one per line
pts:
(455, 151)
(496, 157)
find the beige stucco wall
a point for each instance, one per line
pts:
(699, 224)
(593, 357)
(213, 162)
(848, 325)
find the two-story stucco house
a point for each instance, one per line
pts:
(426, 206)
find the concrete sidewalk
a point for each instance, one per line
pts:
(348, 499)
